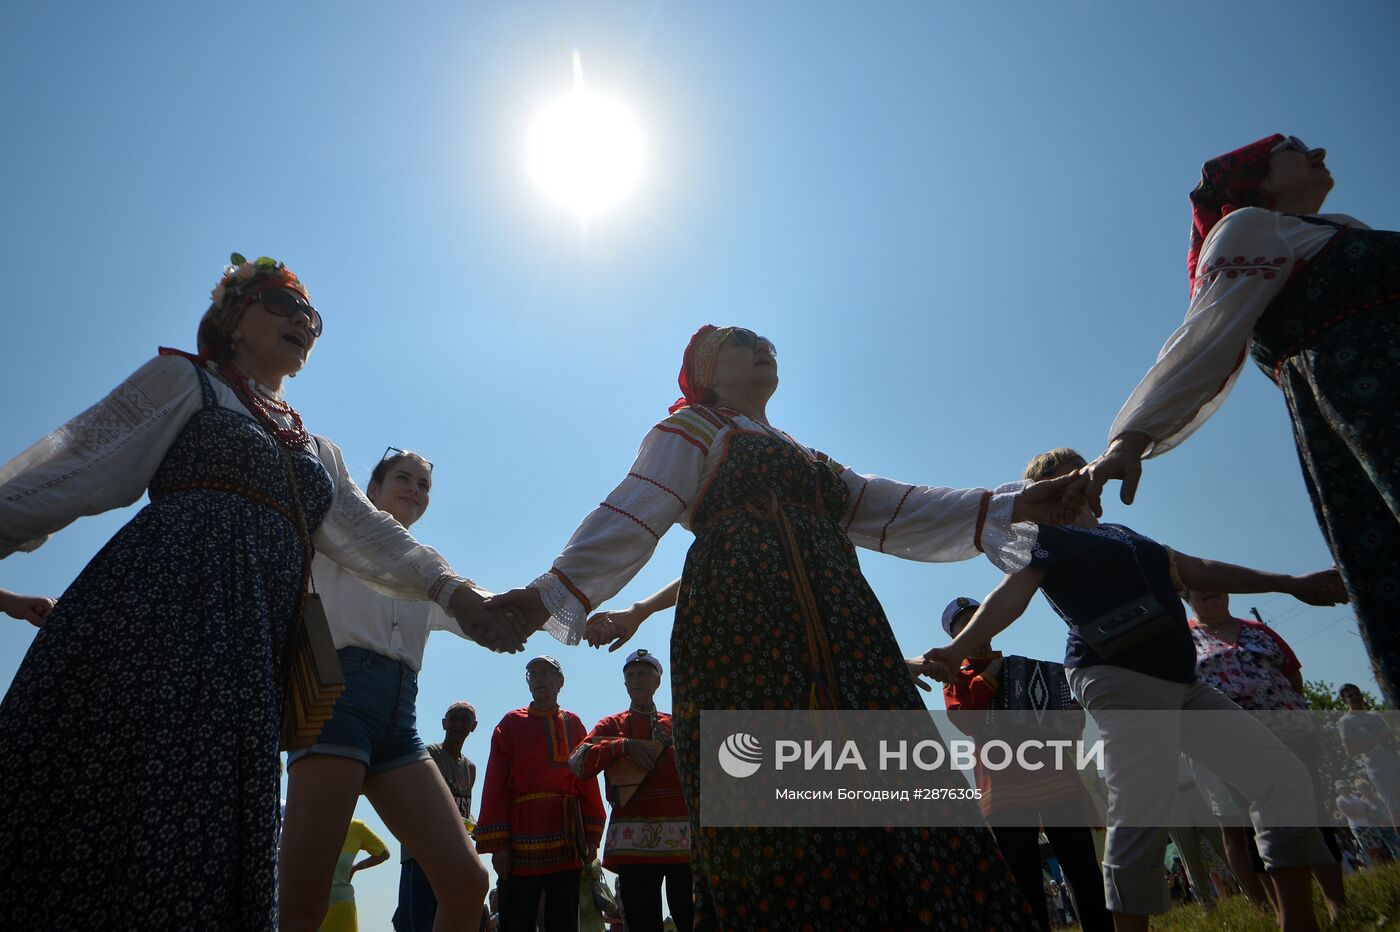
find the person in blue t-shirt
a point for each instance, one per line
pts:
(1091, 571)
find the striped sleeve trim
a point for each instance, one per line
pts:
(898, 508)
(667, 490)
(691, 426)
(574, 591)
(627, 514)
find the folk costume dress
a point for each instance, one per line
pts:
(1315, 302)
(773, 613)
(139, 738)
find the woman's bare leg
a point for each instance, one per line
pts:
(321, 794)
(417, 807)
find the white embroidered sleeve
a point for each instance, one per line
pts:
(615, 541)
(935, 525)
(375, 547)
(1244, 265)
(102, 459)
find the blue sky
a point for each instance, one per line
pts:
(963, 224)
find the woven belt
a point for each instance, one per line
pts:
(214, 485)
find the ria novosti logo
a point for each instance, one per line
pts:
(741, 755)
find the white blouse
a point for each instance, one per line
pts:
(1245, 262)
(105, 457)
(361, 617)
(677, 460)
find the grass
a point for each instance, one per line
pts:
(1373, 902)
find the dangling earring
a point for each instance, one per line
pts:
(238, 336)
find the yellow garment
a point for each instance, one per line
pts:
(341, 916)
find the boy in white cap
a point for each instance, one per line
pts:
(1014, 799)
(648, 840)
(539, 821)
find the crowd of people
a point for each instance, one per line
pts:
(194, 609)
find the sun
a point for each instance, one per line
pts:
(586, 151)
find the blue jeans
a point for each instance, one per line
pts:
(417, 902)
(374, 721)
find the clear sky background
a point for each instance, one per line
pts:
(963, 224)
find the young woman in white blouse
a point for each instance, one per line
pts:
(371, 743)
(1313, 299)
(139, 737)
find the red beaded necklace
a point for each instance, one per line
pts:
(263, 408)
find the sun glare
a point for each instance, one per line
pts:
(586, 151)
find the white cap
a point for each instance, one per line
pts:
(643, 655)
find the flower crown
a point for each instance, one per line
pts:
(240, 276)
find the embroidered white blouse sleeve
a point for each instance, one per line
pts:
(375, 547)
(1244, 264)
(936, 525)
(102, 459)
(615, 541)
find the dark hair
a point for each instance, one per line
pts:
(214, 337)
(389, 462)
(1053, 461)
(1345, 686)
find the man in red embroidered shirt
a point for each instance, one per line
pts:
(539, 821)
(649, 838)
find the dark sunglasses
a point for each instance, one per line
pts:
(750, 340)
(1291, 143)
(285, 303)
(395, 451)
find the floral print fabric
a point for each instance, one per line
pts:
(774, 613)
(1331, 340)
(139, 738)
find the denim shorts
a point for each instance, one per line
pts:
(374, 721)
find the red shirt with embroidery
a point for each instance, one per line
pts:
(532, 803)
(654, 826)
(1011, 789)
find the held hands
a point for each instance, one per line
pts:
(519, 612)
(1122, 460)
(1051, 501)
(931, 665)
(31, 608)
(1324, 587)
(617, 627)
(471, 608)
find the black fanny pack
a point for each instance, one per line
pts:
(1130, 625)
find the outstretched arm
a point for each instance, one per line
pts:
(1199, 363)
(1321, 588)
(618, 627)
(1004, 605)
(31, 608)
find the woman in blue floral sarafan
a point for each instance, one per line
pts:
(1314, 299)
(139, 739)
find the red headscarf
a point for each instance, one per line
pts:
(1228, 182)
(698, 366)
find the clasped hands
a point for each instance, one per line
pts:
(501, 623)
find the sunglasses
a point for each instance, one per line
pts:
(395, 451)
(750, 340)
(1291, 143)
(285, 303)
